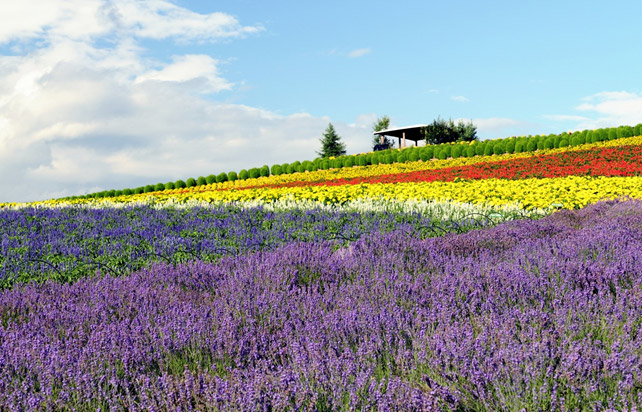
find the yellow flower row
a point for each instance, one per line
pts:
(569, 192)
(572, 192)
(394, 168)
(338, 194)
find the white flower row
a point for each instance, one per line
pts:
(439, 210)
(435, 209)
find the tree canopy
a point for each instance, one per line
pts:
(331, 144)
(382, 123)
(442, 131)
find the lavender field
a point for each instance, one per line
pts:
(529, 315)
(69, 243)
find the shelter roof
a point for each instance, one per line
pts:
(412, 132)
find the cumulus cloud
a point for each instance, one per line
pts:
(364, 121)
(54, 18)
(83, 19)
(84, 130)
(608, 109)
(199, 69)
(82, 109)
(604, 109)
(359, 52)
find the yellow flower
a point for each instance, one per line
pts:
(572, 191)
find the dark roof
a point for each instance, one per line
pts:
(412, 132)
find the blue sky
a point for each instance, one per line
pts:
(461, 59)
(100, 94)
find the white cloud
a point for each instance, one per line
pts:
(359, 52)
(461, 99)
(69, 18)
(602, 96)
(158, 19)
(604, 109)
(364, 121)
(83, 19)
(190, 68)
(82, 109)
(611, 109)
(123, 134)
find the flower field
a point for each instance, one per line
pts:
(69, 243)
(572, 176)
(510, 282)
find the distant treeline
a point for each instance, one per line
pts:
(440, 151)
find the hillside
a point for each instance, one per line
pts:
(568, 177)
(509, 281)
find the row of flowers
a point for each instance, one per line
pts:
(469, 180)
(399, 168)
(609, 161)
(529, 316)
(546, 194)
(569, 192)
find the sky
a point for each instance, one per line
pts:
(110, 94)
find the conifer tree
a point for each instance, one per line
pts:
(331, 144)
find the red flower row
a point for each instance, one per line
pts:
(610, 161)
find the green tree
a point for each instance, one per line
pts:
(382, 123)
(466, 131)
(446, 131)
(331, 144)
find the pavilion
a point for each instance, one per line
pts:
(404, 133)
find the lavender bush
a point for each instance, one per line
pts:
(69, 243)
(527, 316)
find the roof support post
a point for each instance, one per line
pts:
(404, 139)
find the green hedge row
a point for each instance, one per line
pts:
(411, 154)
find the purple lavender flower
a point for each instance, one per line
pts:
(528, 315)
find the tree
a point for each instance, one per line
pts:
(442, 131)
(382, 123)
(467, 132)
(331, 144)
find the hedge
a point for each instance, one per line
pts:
(425, 153)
